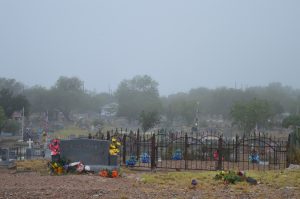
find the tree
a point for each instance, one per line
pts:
(148, 119)
(67, 95)
(69, 84)
(249, 114)
(12, 85)
(136, 95)
(2, 118)
(11, 102)
(11, 126)
(39, 98)
(292, 120)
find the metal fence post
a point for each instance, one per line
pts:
(153, 149)
(185, 151)
(138, 144)
(236, 148)
(124, 149)
(220, 153)
(108, 136)
(288, 161)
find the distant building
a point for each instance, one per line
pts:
(109, 110)
(16, 115)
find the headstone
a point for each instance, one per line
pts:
(4, 159)
(29, 143)
(4, 155)
(28, 153)
(94, 153)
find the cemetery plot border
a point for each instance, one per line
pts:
(202, 151)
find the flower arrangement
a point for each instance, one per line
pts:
(231, 177)
(103, 173)
(145, 158)
(56, 168)
(109, 173)
(254, 158)
(114, 148)
(131, 162)
(177, 155)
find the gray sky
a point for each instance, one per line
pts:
(180, 44)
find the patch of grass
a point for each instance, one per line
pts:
(275, 179)
(32, 165)
(178, 178)
(71, 130)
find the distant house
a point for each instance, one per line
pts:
(109, 110)
(16, 115)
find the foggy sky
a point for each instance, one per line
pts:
(180, 44)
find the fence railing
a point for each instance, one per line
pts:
(201, 151)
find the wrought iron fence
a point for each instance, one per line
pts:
(200, 151)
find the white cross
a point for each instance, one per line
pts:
(29, 143)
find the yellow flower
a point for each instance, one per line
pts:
(113, 139)
(111, 152)
(112, 146)
(118, 143)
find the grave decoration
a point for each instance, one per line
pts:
(177, 155)
(145, 158)
(114, 147)
(109, 173)
(131, 161)
(232, 177)
(54, 146)
(254, 157)
(85, 155)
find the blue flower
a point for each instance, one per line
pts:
(131, 162)
(177, 155)
(145, 158)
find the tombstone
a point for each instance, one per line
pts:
(28, 154)
(4, 155)
(94, 153)
(4, 159)
(29, 143)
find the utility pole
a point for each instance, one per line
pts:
(23, 124)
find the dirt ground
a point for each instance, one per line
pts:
(35, 185)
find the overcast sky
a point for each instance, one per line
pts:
(181, 44)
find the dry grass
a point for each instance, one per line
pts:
(72, 130)
(32, 165)
(274, 179)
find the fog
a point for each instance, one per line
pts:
(180, 44)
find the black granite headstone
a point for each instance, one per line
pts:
(89, 152)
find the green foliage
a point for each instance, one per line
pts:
(229, 177)
(11, 126)
(249, 114)
(292, 120)
(179, 107)
(148, 119)
(136, 95)
(11, 84)
(65, 96)
(2, 118)
(11, 102)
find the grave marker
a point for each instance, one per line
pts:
(94, 153)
